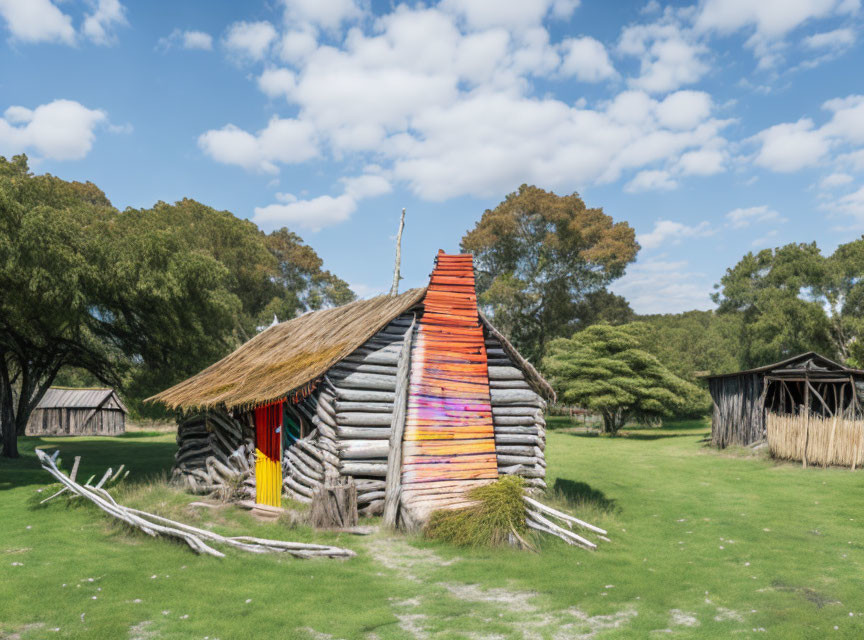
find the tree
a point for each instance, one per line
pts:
(602, 306)
(606, 369)
(51, 268)
(781, 297)
(538, 255)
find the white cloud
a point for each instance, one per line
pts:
(663, 286)
(702, 162)
(764, 240)
(277, 82)
(847, 123)
(59, 130)
(838, 38)
(769, 18)
(586, 58)
(481, 14)
(329, 14)
(366, 186)
(295, 46)
(286, 141)
(37, 21)
(99, 25)
(835, 180)
(670, 56)
(791, 146)
(250, 39)
(744, 217)
(767, 21)
(666, 231)
(313, 214)
(187, 40)
(651, 180)
(684, 109)
(851, 204)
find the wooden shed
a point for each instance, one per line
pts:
(806, 407)
(417, 397)
(66, 411)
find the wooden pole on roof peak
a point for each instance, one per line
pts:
(394, 288)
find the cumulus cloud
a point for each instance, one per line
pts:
(651, 180)
(851, 204)
(59, 130)
(791, 146)
(286, 141)
(186, 40)
(37, 21)
(250, 39)
(586, 59)
(328, 14)
(838, 38)
(99, 24)
(277, 82)
(670, 56)
(835, 180)
(480, 14)
(744, 217)
(324, 211)
(669, 231)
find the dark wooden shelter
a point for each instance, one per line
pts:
(805, 385)
(78, 412)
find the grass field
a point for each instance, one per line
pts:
(704, 545)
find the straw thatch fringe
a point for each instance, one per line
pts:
(517, 416)
(829, 441)
(279, 361)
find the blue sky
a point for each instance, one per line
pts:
(713, 128)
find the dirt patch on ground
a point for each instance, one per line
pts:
(143, 631)
(407, 561)
(683, 618)
(811, 595)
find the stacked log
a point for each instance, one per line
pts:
(215, 455)
(352, 411)
(517, 416)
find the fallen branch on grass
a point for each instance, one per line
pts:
(154, 525)
(535, 515)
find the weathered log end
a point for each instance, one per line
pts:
(334, 504)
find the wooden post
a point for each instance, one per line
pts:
(393, 488)
(394, 288)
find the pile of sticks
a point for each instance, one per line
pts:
(154, 525)
(215, 455)
(540, 517)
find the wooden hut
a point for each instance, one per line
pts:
(65, 411)
(417, 397)
(806, 407)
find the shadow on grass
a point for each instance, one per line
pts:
(580, 494)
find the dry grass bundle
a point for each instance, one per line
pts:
(287, 356)
(498, 514)
(830, 441)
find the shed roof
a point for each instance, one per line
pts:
(78, 398)
(810, 361)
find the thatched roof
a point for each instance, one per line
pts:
(289, 355)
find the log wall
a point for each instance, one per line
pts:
(517, 416)
(739, 410)
(75, 422)
(351, 411)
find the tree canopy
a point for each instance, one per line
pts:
(793, 299)
(538, 255)
(605, 368)
(137, 299)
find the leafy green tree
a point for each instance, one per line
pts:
(51, 270)
(606, 369)
(602, 306)
(780, 296)
(843, 291)
(538, 255)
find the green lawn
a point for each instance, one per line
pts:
(704, 545)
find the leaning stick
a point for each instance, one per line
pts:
(558, 531)
(562, 516)
(152, 524)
